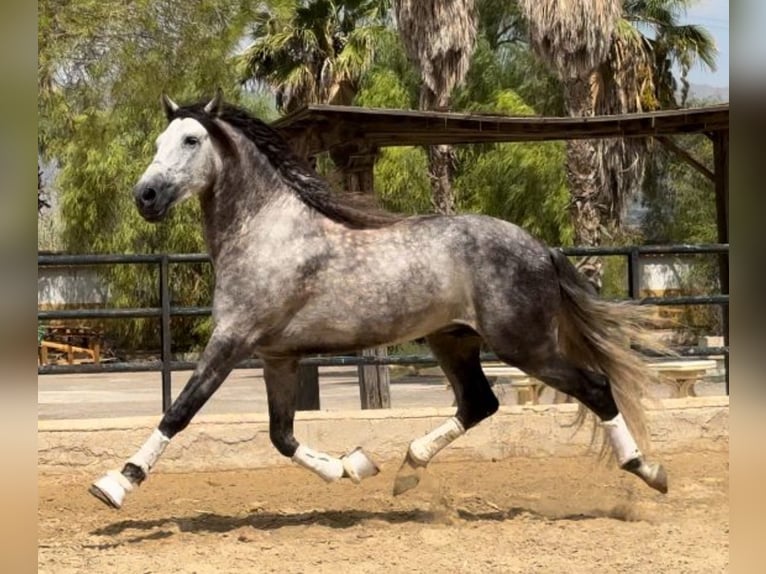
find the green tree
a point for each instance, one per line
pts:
(680, 208)
(637, 76)
(314, 51)
(101, 69)
(502, 60)
(391, 81)
(521, 182)
(509, 67)
(573, 39)
(400, 173)
(679, 201)
(401, 180)
(524, 183)
(656, 26)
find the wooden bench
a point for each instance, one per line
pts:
(684, 373)
(73, 354)
(528, 389)
(72, 345)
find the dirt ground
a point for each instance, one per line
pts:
(516, 515)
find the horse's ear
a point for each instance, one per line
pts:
(214, 106)
(169, 106)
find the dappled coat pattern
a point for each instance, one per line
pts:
(300, 269)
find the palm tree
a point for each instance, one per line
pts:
(313, 51)
(439, 36)
(612, 58)
(637, 76)
(573, 39)
(668, 42)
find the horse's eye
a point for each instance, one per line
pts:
(191, 141)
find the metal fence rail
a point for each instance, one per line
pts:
(165, 311)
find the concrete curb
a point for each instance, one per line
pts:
(225, 442)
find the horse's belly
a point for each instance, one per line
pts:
(311, 331)
(376, 302)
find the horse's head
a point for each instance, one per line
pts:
(185, 163)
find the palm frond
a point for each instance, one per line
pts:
(311, 51)
(693, 44)
(572, 37)
(439, 38)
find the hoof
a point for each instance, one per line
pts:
(657, 478)
(652, 473)
(111, 489)
(357, 465)
(408, 476)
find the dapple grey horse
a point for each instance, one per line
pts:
(302, 269)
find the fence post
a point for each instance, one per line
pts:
(634, 280)
(374, 381)
(308, 388)
(721, 167)
(165, 332)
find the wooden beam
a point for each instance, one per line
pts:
(337, 125)
(669, 144)
(721, 163)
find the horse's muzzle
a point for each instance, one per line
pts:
(153, 199)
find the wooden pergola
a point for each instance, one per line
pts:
(353, 136)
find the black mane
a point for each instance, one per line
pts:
(350, 209)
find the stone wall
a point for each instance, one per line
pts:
(224, 442)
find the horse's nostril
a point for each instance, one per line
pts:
(148, 195)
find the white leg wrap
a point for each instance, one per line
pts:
(423, 449)
(148, 454)
(625, 447)
(326, 466)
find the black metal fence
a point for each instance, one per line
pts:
(165, 365)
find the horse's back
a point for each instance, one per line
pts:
(484, 242)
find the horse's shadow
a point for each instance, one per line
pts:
(220, 523)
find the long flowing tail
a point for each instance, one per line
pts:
(599, 335)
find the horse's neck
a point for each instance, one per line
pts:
(250, 204)
(237, 194)
(233, 221)
(210, 227)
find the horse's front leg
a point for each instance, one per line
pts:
(281, 376)
(221, 354)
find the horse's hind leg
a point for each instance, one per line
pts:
(281, 376)
(458, 355)
(594, 391)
